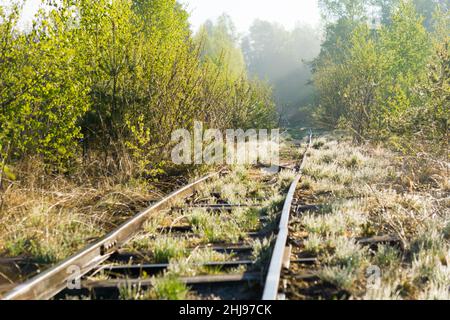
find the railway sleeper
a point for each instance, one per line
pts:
(371, 241)
(240, 249)
(247, 285)
(217, 207)
(200, 280)
(154, 269)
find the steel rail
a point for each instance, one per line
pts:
(51, 282)
(276, 263)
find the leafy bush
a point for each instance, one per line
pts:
(117, 76)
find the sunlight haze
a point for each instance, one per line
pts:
(286, 12)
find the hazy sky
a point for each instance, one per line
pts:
(243, 12)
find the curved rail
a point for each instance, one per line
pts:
(276, 263)
(54, 280)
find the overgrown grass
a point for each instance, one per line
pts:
(343, 278)
(194, 264)
(241, 186)
(370, 193)
(214, 230)
(262, 252)
(50, 222)
(165, 288)
(168, 288)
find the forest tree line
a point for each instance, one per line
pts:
(384, 72)
(102, 80)
(108, 81)
(269, 52)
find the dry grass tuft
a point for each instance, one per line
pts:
(372, 192)
(48, 218)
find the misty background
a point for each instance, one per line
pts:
(277, 42)
(258, 38)
(274, 42)
(277, 52)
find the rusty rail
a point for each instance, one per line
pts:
(276, 263)
(54, 280)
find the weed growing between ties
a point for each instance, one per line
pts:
(366, 192)
(259, 198)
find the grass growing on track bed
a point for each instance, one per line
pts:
(49, 223)
(369, 193)
(186, 252)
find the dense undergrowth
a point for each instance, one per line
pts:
(90, 94)
(104, 84)
(383, 73)
(368, 191)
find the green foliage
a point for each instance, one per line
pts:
(233, 99)
(342, 18)
(380, 83)
(426, 8)
(169, 288)
(119, 76)
(165, 248)
(343, 9)
(42, 93)
(139, 145)
(220, 46)
(433, 119)
(282, 58)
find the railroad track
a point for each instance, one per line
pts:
(184, 249)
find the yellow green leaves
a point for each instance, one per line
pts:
(374, 87)
(8, 173)
(42, 91)
(218, 41)
(124, 73)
